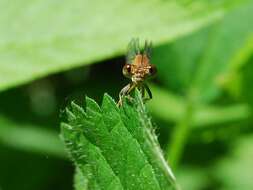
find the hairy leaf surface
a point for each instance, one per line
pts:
(115, 148)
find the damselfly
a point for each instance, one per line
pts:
(138, 68)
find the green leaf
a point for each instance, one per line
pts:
(177, 62)
(80, 183)
(115, 148)
(230, 37)
(199, 64)
(31, 138)
(239, 78)
(45, 37)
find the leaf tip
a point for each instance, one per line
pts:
(92, 104)
(108, 100)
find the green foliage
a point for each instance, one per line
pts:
(30, 138)
(115, 148)
(204, 58)
(170, 108)
(202, 96)
(45, 37)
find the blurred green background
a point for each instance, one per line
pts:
(52, 52)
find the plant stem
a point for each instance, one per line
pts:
(179, 137)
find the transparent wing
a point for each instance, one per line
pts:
(148, 48)
(132, 50)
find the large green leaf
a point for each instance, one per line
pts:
(115, 148)
(42, 37)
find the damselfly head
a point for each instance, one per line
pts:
(138, 66)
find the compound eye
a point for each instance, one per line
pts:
(127, 71)
(152, 70)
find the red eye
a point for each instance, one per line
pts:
(127, 70)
